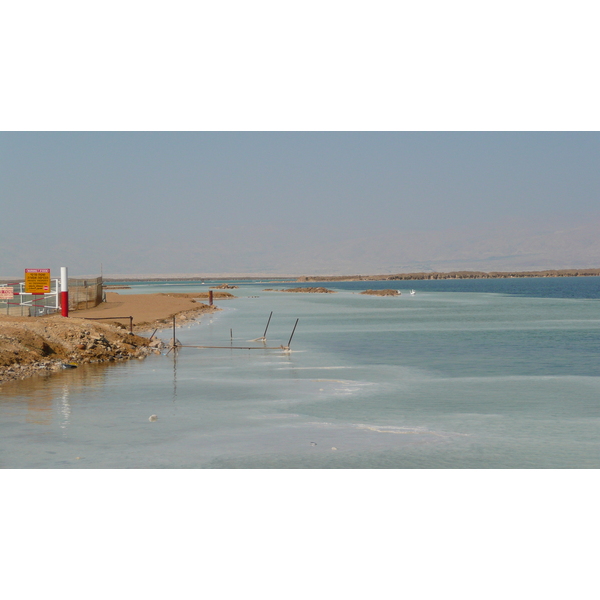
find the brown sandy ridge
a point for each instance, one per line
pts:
(306, 290)
(150, 311)
(381, 292)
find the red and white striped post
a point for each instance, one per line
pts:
(64, 292)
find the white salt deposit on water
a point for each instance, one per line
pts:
(464, 374)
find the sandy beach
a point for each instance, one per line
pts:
(149, 311)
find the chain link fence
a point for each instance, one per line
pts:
(83, 293)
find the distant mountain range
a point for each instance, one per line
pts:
(489, 249)
(288, 251)
(500, 248)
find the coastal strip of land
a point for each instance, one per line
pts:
(454, 275)
(40, 345)
(274, 279)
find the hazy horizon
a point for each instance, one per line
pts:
(298, 203)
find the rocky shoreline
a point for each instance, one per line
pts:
(31, 346)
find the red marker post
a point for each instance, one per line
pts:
(64, 292)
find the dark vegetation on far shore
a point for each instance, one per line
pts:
(457, 275)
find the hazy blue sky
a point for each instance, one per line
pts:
(247, 202)
(142, 203)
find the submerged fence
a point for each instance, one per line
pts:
(83, 293)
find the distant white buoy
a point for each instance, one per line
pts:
(334, 448)
(152, 418)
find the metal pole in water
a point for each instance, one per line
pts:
(267, 327)
(291, 336)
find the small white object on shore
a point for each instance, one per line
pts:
(153, 418)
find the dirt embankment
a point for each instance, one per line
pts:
(31, 345)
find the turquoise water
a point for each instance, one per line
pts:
(464, 374)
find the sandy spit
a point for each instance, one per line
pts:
(149, 311)
(382, 292)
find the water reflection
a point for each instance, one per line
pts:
(39, 409)
(65, 407)
(46, 396)
(175, 353)
(371, 384)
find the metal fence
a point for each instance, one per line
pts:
(22, 304)
(83, 293)
(14, 306)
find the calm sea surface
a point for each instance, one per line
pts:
(463, 374)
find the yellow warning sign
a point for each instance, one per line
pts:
(37, 281)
